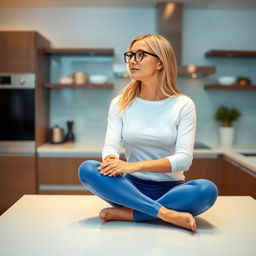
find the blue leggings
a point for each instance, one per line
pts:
(146, 197)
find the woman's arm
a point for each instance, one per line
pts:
(112, 143)
(181, 160)
(113, 167)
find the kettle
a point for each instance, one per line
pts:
(56, 135)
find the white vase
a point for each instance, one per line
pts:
(227, 136)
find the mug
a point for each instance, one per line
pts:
(79, 77)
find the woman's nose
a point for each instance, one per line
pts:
(133, 60)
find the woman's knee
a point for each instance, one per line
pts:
(206, 190)
(88, 169)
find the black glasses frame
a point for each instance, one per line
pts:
(133, 54)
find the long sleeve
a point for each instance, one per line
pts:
(181, 160)
(114, 130)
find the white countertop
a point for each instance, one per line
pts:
(68, 225)
(94, 150)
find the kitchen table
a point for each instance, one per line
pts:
(68, 225)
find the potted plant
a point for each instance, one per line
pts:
(226, 116)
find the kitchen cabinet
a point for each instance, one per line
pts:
(19, 51)
(236, 180)
(59, 175)
(24, 52)
(204, 168)
(17, 178)
(62, 173)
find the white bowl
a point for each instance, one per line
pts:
(226, 80)
(98, 79)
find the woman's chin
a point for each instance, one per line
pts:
(135, 77)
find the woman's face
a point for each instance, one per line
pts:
(148, 67)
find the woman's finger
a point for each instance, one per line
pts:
(110, 170)
(107, 169)
(113, 171)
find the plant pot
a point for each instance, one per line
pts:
(227, 136)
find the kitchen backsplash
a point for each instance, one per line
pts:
(89, 109)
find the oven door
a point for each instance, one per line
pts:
(17, 120)
(17, 114)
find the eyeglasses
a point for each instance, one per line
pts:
(138, 56)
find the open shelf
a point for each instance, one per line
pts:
(189, 71)
(231, 53)
(81, 51)
(79, 86)
(229, 87)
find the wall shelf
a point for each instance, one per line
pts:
(80, 51)
(79, 86)
(229, 87)
(196, 71)
(231, 53)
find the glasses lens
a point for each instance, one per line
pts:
(139, 56)
(127, 57)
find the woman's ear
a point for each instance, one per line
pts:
(159, 65)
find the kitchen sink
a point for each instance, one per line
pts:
(199, 145)
(248, 154)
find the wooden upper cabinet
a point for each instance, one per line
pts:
(18, 52)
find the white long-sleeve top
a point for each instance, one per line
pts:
(150, 130)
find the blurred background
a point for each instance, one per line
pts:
(206, 25)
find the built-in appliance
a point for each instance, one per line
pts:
(17, 113)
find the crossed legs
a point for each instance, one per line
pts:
(177, 206)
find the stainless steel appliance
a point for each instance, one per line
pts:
(17, 113)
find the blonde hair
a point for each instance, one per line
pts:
(167, 75)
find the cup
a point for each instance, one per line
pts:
(79, 77)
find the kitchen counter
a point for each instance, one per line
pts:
(68, 225)
(94, 150)
(70, 149)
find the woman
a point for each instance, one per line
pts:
(156, 124)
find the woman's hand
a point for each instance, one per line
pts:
(110, 157)
(114, 167)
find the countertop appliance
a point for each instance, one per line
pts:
(56, 135)
(17, 113)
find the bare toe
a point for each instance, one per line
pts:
(105, 214)
(181, 219)
(116, 213)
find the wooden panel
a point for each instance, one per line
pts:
(60, 171)
(81, 51)
(204, 168)
(65, 192)
(17, 178)
(229, 87)
(80, 86)
(42, 94)
(231, 53)
(17, 52)
(236, 181)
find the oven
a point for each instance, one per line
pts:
(17, 113)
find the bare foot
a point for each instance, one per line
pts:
(115, 213)
(181, 219)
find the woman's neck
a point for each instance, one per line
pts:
(150, 91)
